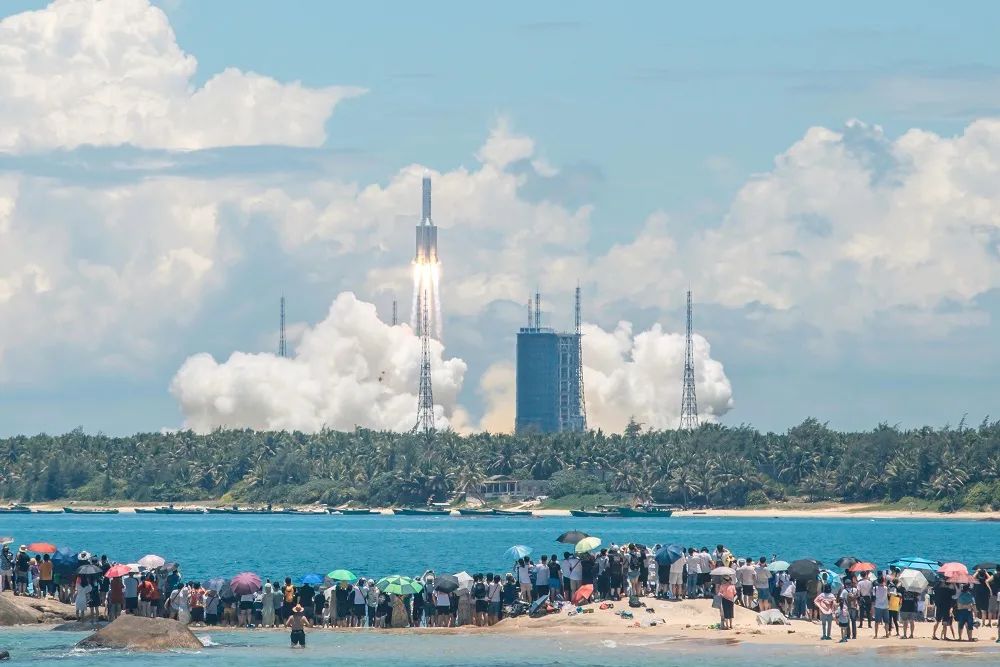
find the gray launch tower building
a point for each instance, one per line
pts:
(427, 233)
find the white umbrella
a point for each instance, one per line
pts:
(464, 580)
(913, 581)
(151, 561)
(723, 572)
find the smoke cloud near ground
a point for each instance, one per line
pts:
(349, 370)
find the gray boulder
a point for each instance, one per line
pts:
(14, 613)
(135, 633)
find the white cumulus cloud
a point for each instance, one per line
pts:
(349, 370)
(110, 72)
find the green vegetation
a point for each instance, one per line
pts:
(946, 469)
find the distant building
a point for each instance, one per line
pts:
(548, 381)
(500, 486)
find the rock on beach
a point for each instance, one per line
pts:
(135, 633)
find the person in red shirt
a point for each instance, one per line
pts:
(197, 602)
(116, 598)
(727, 596)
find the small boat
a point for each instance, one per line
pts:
(597, 512)
(514, 513)
(15, 509)
(351, 511)
(170, 509)
(420, 511)
(298, 512)
(57, 511)
(220, 510)
(477, 512)
(145, 510)
(90, 510)
(661, 511)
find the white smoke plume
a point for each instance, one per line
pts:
(349, 370)
(625, 376)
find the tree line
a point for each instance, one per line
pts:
(714, 465)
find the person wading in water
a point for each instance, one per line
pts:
(298, 623)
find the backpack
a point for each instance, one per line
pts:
(478, 590)
(633, 601)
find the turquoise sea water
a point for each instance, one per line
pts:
(272, 546)
(276, 546)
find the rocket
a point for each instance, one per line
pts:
(427, 233)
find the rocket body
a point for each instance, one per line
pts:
(426, 247)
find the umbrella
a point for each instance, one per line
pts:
(517, 551)
(118, 571)
(951, 569)
(862, 567)
(6, 540)
(846, 562)
(464, 580)
(89, 569)
(447, 583)
(572, 537)
(723, 572)
(778, 566)
(804, 569)
(312, 579)
(913, 581)
(151, 561)
(398, 585)
(987, 565)
(832, 578)
(215, 584)
(668, 554)
(342, 575)
(583, 593)
(914, 562)
(245, 583)
(961, 579)
(133, 568)
(539, 602)
(83, 556)
(587, 544)
(64, 561)
(166, 567)
(42, 548)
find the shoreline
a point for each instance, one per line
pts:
(844, 511)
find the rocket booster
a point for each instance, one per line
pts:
(427, 237)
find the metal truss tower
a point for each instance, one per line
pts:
(282, 346)
(425, 400)
(579, 363)
(689, 401)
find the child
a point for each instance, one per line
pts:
(895, 602)
(298, 623)
(844, 621)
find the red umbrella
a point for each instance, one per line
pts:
(862, 567)
(118, 571)
(245, 583)
(583, 594)
(42, 548)
(952, 569)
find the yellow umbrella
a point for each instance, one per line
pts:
(587, 544)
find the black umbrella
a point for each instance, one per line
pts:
(89, 570)
(804, 569)
(845, 562)
(988, 565)
(571, 537)
(446, 583)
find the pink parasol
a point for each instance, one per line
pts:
(245, 583)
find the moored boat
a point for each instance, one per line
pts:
(351, 511)
(170, 509)
(470, 511)
(514, 513)
(661, 511)
(56, 511)
(420, 511)
(597, 512)
(90, 510)
(15, 509)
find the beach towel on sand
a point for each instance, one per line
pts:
(772, 617)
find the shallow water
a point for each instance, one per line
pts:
(273, 546)
(368, 649)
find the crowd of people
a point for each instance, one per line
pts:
(852, 600)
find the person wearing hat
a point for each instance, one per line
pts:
(22, 562)
(298, 623)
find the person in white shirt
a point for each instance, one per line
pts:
(542, 578)
(746, 575)
(575, 573)
(524, 579)
(694, 569)
(677, 577)
(181, 604)
(865, 587)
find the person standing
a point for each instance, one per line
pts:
(881, 604)
(747, 576)
(727, 598)
(82, 596)
(116, 597)
(45, 583)
(131, 594)
(850, 597)
(944, 601)
(981, 591)
(298, 623)
(965, 605)
(693, 572)
(267, 606)
(288, 603)
(677, 582)
(555, 579)
(762, 582)
(895, 604)
(22, 563)
(524, 579)
(908, 613)
(196, 601)
(826, 604)
(865, 597)
(541, 578)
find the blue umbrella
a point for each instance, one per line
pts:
(831, 578)
(215, 584)
(312, 579)
(915, 563)
(517, 551)
(668, 554)
(537, 604)
(65, 561)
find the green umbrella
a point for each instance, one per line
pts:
(342, 575)
(587, 544)
(398, 585)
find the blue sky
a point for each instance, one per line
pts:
(653, 109)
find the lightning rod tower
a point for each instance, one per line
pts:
(425, 400)
(282, 348)
(689, 402)
(579, 363)
(395, 312)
